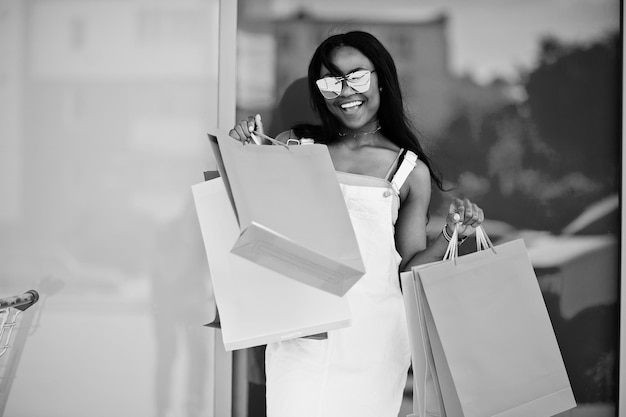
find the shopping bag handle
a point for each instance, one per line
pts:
(482, 242)
(452, 251)
(268, 138)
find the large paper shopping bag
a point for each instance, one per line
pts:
(257, 305)
(291, 212)
(427, 400)
(493, 347)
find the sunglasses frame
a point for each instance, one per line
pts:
(329, 94)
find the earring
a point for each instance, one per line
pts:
(380, 89)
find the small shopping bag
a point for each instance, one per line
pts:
(292, 215)
(257, 305)
(494, 351)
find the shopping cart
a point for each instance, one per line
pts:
(15, 326)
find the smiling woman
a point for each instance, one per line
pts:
(385, 177)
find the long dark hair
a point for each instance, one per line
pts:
(392, 115)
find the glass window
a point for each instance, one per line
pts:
(104, 113)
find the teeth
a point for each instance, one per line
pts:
(351, 104)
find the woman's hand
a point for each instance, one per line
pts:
(243, 131)
(464, 214)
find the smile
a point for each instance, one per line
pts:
(351, 104)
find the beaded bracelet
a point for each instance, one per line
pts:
(448, 237)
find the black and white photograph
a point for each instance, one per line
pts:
(298, 208)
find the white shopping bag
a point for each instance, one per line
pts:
(482, 340)
(291, 212)
(427, 400)
(257, 305)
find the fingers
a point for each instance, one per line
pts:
(457, 211)
(242, 130)
(259, 124)
(465, 213)
(476, 218)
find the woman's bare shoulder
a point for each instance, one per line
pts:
(419, 179)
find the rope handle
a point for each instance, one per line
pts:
(482, 242)
(255, 137)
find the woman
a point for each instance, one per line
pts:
(386, 181)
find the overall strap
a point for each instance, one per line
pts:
(394, 165)
(407, 165)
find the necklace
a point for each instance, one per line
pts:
(355, 134)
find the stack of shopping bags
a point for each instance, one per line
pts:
(482, 342)
(282, 254)
(279, 242)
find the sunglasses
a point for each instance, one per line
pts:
(331, 87)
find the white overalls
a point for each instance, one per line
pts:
(360, 370)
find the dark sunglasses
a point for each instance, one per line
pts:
(331, 87)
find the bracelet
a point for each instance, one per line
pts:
(447, 237)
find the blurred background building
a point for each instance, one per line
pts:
(275, 49)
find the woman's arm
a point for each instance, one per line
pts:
(410, 227)
(411, 239)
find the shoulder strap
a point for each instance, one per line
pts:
(394, 165)
(407, 165)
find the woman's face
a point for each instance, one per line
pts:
(353, 109)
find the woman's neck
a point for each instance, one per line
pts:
(370, 128)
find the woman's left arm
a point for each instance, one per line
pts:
(410, 229)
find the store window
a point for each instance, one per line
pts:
(105, 109)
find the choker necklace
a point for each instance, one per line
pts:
(355, 134)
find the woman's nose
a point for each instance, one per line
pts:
(346, 90)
